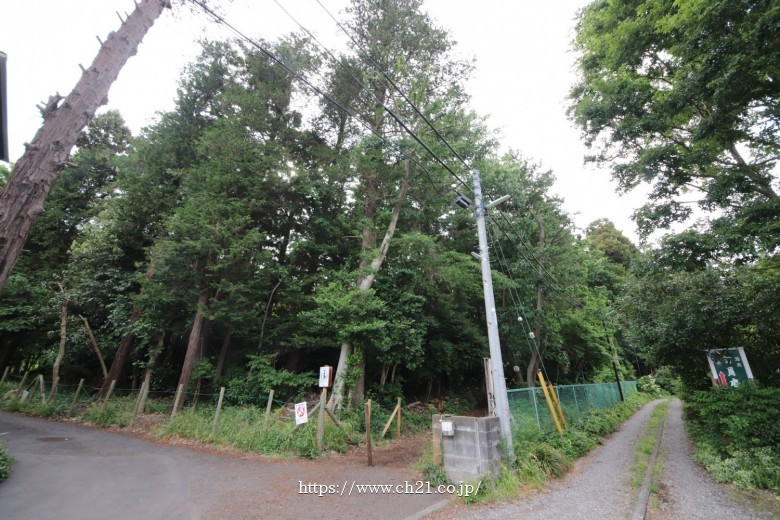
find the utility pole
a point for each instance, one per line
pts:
(496, 363)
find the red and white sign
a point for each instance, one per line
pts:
(301, 413)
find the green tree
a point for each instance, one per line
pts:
(605, 237)
(684, 95)
(398, 39)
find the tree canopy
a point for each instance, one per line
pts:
(684, 96)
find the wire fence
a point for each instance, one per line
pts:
(529, 409)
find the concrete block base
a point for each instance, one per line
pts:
(472, 451)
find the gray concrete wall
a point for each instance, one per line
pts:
(472, 451)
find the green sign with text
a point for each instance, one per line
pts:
(729, 366)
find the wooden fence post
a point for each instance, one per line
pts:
(110, 391)
(23, 381)
(321, 419)
(43, 389)
(368, 433)
(5, 374)
(268, 409)
(389, 421)
(53, 393)
(219, 410)
(138, 400)
(398, 421)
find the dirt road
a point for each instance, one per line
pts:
(69, 472)
(686, 490)
(598, 487)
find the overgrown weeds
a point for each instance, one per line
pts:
(5, 462)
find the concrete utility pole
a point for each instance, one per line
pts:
(496, 363)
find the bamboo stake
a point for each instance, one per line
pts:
(219, 410)
(110, 391)
(76, 396)
(268, 409)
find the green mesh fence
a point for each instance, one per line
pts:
(529, 407)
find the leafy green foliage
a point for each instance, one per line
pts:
(674, 315)
(6, 460)
(261, 377)
(681, 95)
(737, 434)
(647, 385)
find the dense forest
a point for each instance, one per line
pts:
(286, 215)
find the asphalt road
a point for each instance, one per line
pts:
(65, 471)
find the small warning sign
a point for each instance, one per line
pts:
(301, 413)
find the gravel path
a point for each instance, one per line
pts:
(686, 489)
(598, 486)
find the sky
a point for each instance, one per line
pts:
(524, 70)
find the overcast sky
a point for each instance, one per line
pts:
(525, 68)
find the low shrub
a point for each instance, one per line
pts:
(648, 385)
(737, 434)
(5, 462)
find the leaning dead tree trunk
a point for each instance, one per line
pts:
(364, 283)
(21, 200)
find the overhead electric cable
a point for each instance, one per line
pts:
(538, 265)
(363, 87)
(524, 324)
(401, 92)
(219, 19)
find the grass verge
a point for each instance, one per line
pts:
(644, 449)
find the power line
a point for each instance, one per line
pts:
(363, 87)
(219, 19)
(387, 77)
(538, 265)
(523, 318)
